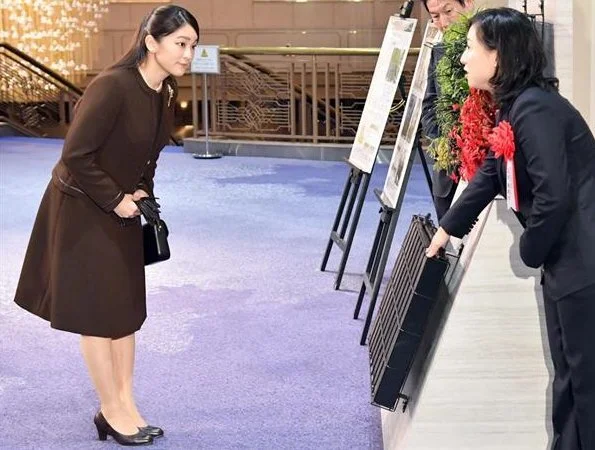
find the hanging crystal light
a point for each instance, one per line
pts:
(60, 34)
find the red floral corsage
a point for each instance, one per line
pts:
(501, 141)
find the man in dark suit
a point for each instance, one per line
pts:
(443, 13)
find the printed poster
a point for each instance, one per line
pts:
(381, 94)
(400, 164)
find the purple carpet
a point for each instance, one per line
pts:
(246, 345)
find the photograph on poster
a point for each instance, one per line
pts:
(381, 93)
(408, 26)
(394, 183)
(410, 126)
(367, 132)
(359, 137)
(432, 34)
(392, 74)
(396, 170)
(431, 39)
(420, 80)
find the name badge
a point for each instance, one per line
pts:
(512, 195)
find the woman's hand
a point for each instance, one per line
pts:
(127, 209)
(138, 194)
(439, 240)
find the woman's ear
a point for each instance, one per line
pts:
(494, 57)
(151, 43)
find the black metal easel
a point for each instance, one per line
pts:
(424, 163)
(377, 261)
(381, 248)
(354, 194)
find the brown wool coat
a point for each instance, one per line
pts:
(83, 270)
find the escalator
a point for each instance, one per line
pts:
(34, 100)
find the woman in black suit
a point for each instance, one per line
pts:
(554, 198)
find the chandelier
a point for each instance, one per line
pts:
(58, 33)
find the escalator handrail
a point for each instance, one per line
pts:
(46, 77)
(18, 127)
(41, 67)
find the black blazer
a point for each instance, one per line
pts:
(555, 170)
(441, 182)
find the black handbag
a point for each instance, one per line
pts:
(155, 232)
(155, 242)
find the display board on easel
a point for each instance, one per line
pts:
(387, 73)
(391, 196)
(401, 160)
(385, 81)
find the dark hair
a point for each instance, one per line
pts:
(160, 22)
(425, 2)
(521, 58)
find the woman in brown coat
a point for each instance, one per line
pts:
(84, 270)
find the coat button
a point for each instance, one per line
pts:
(148, 162)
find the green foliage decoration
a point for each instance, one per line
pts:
(454, 89)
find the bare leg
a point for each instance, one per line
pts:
(97, 353)
(123, 351)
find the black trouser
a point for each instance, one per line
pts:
(571, 333)
(442, 204)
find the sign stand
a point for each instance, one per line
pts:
(206, 60)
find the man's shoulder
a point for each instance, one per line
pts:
(438, 51)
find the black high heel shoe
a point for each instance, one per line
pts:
(151, 431)
(104, 428)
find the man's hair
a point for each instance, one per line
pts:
(425, 2)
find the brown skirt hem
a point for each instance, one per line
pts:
(70, 329)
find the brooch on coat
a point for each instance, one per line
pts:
(170, 92)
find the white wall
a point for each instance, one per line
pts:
(582, 69)
(574, 42)
(574, 35)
